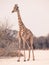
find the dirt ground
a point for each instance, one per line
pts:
(41, 58)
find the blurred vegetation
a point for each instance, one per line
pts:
(41, 42)
(9, 39)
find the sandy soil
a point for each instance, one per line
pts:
(41, 58)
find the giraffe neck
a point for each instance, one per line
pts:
(21, 24)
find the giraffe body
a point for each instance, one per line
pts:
(24, 34)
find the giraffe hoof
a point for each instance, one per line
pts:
(24, 60)
(18, 60)
(27, 59)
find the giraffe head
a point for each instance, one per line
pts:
(15, 8)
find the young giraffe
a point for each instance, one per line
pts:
(24, 34)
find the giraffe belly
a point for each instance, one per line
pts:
(25, 36)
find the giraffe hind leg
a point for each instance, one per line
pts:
(32, 53)
(29, 55)
(29, 51)
(31, 41)
(24, 50)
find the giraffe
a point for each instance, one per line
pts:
(24, 34)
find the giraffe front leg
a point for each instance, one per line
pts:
(24, 50)
(19, 50)
(19, 56)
